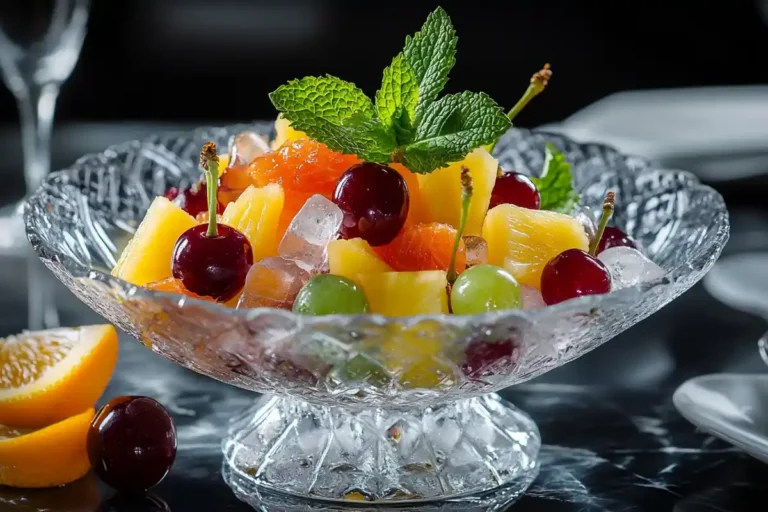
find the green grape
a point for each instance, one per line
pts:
(326, 294)
(484, 288)
(362, 369)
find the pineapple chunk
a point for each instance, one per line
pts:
(405, 293)
(284, 132)
(256, 214)
(523, 241)
(440, 191)
(147, 258)
(347, 258)
(415, 354)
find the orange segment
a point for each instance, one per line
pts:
(173, 285)
(303, 165)
(52, 456)
(423, 247)
(46, 376)
(415, 207)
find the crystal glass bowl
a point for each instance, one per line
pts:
(374, 408)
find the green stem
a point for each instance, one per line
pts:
(466, 197)
(530, 93)
(209, 160)
(608, 207)
(539, 82)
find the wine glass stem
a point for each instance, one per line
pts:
(37, 104)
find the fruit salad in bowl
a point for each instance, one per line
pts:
(378, 268)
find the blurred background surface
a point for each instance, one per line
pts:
(680, 82)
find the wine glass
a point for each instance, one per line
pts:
(40, 41)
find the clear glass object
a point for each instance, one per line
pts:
(40, 41)
(372, 408)
(729, 406)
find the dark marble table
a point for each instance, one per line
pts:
(606, 447)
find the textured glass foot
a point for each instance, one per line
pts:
(480, 452)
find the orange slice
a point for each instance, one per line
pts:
(423, 247)
(51, 456)
(47, 376)
(302, 165)
(173, 285)
(416, 212)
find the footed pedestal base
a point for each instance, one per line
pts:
(481, 452)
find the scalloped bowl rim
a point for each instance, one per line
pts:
(588, 302)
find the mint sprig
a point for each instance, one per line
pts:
(555, 185)
(407, 124)
(451, 127)
(431, 54)
(397, 99)
(336, 113)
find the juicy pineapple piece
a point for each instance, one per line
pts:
(285, 133)
(147, 257)
(405, 293)
(523, 241)
(255, 214)
(415, 355)
(440, 191)
(347, 258)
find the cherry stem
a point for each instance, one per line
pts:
(466, 197)
(608, 206)
(539, 82)
(209, 161)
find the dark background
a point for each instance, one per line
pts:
(148, 65)
(153, 60)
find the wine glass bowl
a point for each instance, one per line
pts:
(40, 41)
(419, 388)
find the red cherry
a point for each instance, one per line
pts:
(172, 193)
(573, 273)
(515, 188)
(194, 199)
(484, 356)
(132, 443)
(213, 266)
(614, 237)
(374, 199)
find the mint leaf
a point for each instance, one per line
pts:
(326, 97)
(336, 113)
(431, 53)
(450, 128)
(556, 183)
(397, 98)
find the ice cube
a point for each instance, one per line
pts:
(531, 297)
(245, 146)
(476, 249)
(272, 283)
(311, 230)
(629, 267)
(586, 217)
